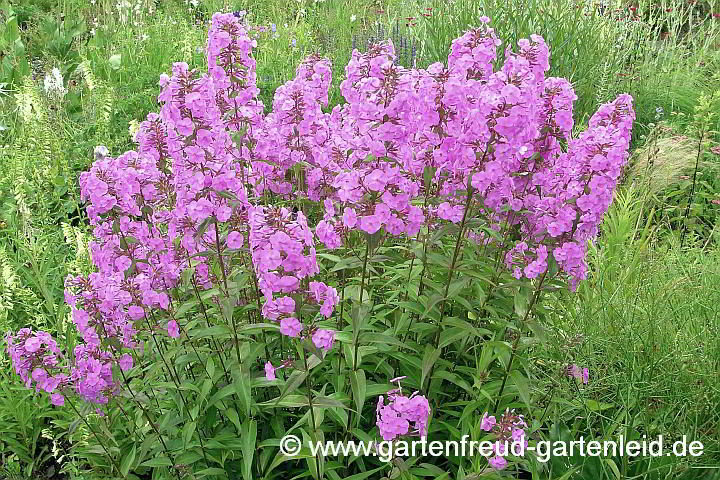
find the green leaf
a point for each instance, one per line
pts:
(115, 61)
(219, 395)
(522, 386)
(450, 335)
(186, 306)
(290, 401)
(249, 438)
(428, 175)
(522, 301)
(358, 315)
(241, 380)
(596, 406)
(233, 416)
(388, 340)
(359, 388)
(127, 461)
(297, 377)
(217, 331)
(214, 471)
(322, 401)
(157, 462)
(188, 431)
(363, 475)
(429, 358)
(210, 367)
(189, 457)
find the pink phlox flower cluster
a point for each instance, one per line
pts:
(326, 296)
(35, 357)
(92, 374)
(398, 156)
(508, 430)
(283, 254)
(402, 415)
(283, 249)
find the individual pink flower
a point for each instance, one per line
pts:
(32, 344)
(135, 312)
(586, 375)
(328, 296)
(488, 422)
(291, 327)
(57, 399)
(235, 240)
(349, 218)
(518, 434)
(125, 362)
(269, 371)
(323, 339)
(173, 329)
(390, 422)
(497, 462)
(573, 371)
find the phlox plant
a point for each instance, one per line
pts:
(259, 275)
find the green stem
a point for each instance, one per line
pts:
(81, 417)
(150, 421)
(312, 411)
(356, 346)
(516, 342)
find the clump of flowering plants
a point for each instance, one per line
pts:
(259, 275)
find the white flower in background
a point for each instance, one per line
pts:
(133, 128)
(352, 18)
(100, 152)
(54, 85)
(194, 3)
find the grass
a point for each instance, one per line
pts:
(645, 322)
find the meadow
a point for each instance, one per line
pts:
(223, 222)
